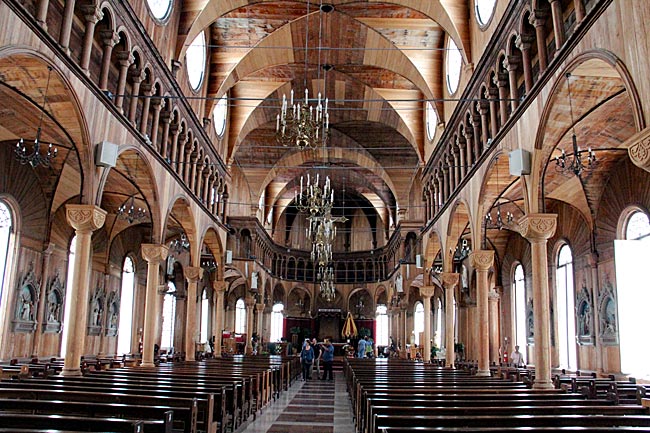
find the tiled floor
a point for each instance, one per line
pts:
(315, 406)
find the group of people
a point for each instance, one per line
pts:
(310, 356)
(364, 348)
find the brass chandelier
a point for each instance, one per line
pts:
(303, 125)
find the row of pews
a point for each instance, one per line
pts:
(212, 396)
(397, 396)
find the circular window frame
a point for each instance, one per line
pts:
(164, 19)
(484, 25)
(205, 63)
(460, 66)
(223, 101)
(430, 126)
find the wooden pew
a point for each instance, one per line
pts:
(16, 421)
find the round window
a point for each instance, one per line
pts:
(160, 9)
(453, 65)
(638, 226)
(219, 115)
(195, 61)
(484, 10)
(432, 121)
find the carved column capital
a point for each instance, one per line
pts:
(250, 302)
(481, 260)
(154, 253)
(427, 291)
(260, 308)
(125, 58)
(639, 149)
(219, 286)
(524, 41)
(85, 217)
(109, 38)
(193, 274)
(493, 295)
(538, 227)
(92, 13)
(449, 279)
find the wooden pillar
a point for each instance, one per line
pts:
(84, 219)
(158, 104)
(470, 150)
(538, 20)
(558, 23)
(250, 306)
(125, 59)
(593, 267)
(493, 301)
(165, 118)
(449, 282)
(110, 39)
(92, 15)
(502, 82)
(485, 126)
(259, 309)
(579, 7)
(537, 228)
(494, 122)
(147, 90)
(41, 13)
(193, 275)
(511, 64)
(482, 261)
(220, 292)
(427, 292)
(524, 42)
(66, 26)
(41, 319)
(137, 76)
(153, 254)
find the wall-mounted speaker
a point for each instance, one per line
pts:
(519, 162)
(228, 257)
(106, 154)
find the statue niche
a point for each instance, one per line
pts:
(585, 312)
(96, 311)
(54, 306)
(607, 314)
(112, 318)
(26, 301)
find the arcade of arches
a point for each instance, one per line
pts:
(454, 127)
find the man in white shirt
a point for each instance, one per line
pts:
(517, 358)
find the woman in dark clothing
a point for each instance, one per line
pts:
(306, 360)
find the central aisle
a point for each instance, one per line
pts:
(315, 406)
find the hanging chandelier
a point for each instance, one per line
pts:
(303, 125)
(34, 157)
(316, 200)
(130, 213)
(326, 277)
(499, 222)
(579, 160)
(180, 245)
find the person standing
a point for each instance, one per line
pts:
(306, 360)
(517, 358)
(361, 347)
(327, 353)
(317, 355)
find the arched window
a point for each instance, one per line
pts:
(240, 316)
(381, 322)
(484, 9)
(418, 321)
(195, 58)
(169, 315)
(125, 328)
(6, 231)
(566, 324)
(519, 285)
(68, 298)
(277, 322)
(205, 315)
(432, 121)
(437, 337)
(452, 66)
(160, 9)
(219, 115)
(633, 296)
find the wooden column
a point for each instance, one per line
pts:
(137, 76)
(524, 42)
(41, 13)
(165, 118)
(146, 93)
(558, 23)
(153, 254)
(125, 59)
(511, 64)
(482, 261)
(593, 267)
(427, 292)
(110, 39)
(470, 149)
(66, 25)
(494, 122)
(250, 306)
(502, 82)
(84, 219)
(638, 149)
(537, 228)
(193, 275)
(579, 7)
(93, 15)
(220, 292)
(449, 282)
(485, 126)
(259, 309)
(41, 319)
(158, 104)
(538, 20)
(493, 301)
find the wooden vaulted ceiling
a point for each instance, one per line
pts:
(384, 60)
